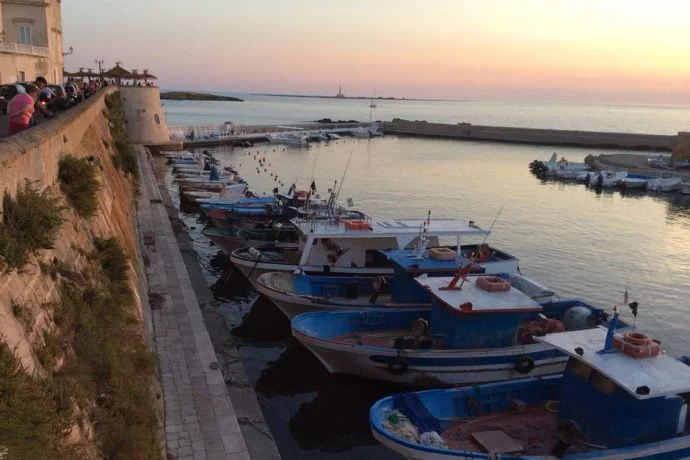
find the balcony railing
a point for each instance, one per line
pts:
(19, 48)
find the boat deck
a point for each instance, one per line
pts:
(531, 432)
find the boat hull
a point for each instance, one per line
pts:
(433, 367)
(252, 269)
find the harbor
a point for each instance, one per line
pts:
(267, 351)
(427, 232)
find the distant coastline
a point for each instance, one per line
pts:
(351, 97)
(190, 96)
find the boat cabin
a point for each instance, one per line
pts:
(479, 312)
(356, 243)
(611, 399)
(409, 263)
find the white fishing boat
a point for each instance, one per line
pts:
(666, 183)
(231, 192)
(684, 188)
(632, 181)
(364, 132)
(291, 139)
(350, 246)
(607, 178)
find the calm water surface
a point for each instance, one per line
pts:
(571, 239)
(270, 110)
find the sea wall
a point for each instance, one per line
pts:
(31, 294)
(466, 131)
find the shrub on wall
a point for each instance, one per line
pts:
(79, 183)
(125, 158)
(29, 223)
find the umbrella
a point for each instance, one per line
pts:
(118, 73)
(148, 76)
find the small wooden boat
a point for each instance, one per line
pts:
(606, 405)
(230, 239)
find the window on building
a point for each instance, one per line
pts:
(25, 35)
(21, 76)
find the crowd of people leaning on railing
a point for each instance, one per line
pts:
(23, 102)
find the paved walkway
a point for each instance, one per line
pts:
(200, 421)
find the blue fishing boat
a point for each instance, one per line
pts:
(296, 293)
(480, 330)
(608, 404)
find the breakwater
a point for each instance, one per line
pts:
(593, 139)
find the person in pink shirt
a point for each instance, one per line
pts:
(20, 110)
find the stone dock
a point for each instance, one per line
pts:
(198, 378)
(556, 137)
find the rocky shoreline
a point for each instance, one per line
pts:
(190, 96)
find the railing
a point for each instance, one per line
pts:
(20, 48)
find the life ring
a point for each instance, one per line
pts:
(398, 365)
(524, 364)
(378, 283)
(637, 338)
(493, 284)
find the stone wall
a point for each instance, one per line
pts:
(532, 136)
(33, 155)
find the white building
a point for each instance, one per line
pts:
(30, 40)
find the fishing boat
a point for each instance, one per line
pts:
(607, 404)
(667, 182)
(607, 178)
(296, 293)
(349, 246)
(480, 330)
(555, 168)
(291, 139)
(230, 239)
(635, 181)
(684, 188)
(233, 192)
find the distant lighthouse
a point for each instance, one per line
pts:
(340, 92)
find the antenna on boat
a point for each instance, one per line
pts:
(462, 271)
(347, 166)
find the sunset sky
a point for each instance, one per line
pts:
(581, 50)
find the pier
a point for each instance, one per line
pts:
(587, 139)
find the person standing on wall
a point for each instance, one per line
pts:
(21, 109)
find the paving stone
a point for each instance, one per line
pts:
(200, 419)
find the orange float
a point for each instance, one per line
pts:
(493, 284)
(637, 345)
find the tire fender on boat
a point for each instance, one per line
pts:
(398, 365)
(524, 364)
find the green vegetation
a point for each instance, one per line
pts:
(32, 419)
(29, 223)
(112, 364)
(99, 362)
(79, 183)
(125, 158)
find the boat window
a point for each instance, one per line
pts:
(579, 369)
(602, 383)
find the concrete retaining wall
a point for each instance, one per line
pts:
(596, 139)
